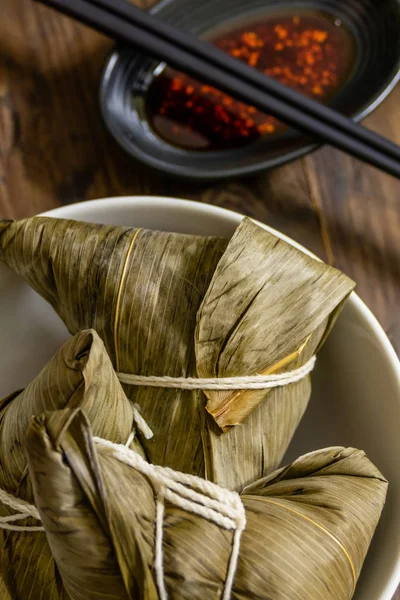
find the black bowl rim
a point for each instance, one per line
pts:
(194, 173)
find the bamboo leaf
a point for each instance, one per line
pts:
(79, 525)
(266, 302)
(147, 293)
(79, 376)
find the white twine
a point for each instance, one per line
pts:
(191, 493)
(158, 560)
(233, 563)
(251, 382)
(24, 510)
(130, 439)
(140, 424)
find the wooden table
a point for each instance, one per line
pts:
(54, 150)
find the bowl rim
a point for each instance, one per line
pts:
(124, 202)
(204, 174)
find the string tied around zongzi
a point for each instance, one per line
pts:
(203, 498)
(251, 382)
(23, 511)
(140, 424)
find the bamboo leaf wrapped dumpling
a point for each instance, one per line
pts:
(307, 527)
(179, 305)
(79, 376)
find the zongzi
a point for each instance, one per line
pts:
(176, 305)
(79, 376)
(115, 522)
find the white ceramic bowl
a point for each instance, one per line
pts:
(356, 384)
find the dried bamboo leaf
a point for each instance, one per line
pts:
(138, 288)
(259, 304)
(266, 301)
(79, 376)
(309, 525)
(4, 594)
(249, 324)
(84, 519)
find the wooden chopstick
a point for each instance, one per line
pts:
(114, 21)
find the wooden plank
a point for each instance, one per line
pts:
(360, 220)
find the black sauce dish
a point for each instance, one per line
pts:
(374, 26)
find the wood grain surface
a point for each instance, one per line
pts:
(54, 150)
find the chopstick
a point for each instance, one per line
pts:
(124, 22)
(229, 63)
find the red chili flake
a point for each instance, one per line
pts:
(305, 51)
